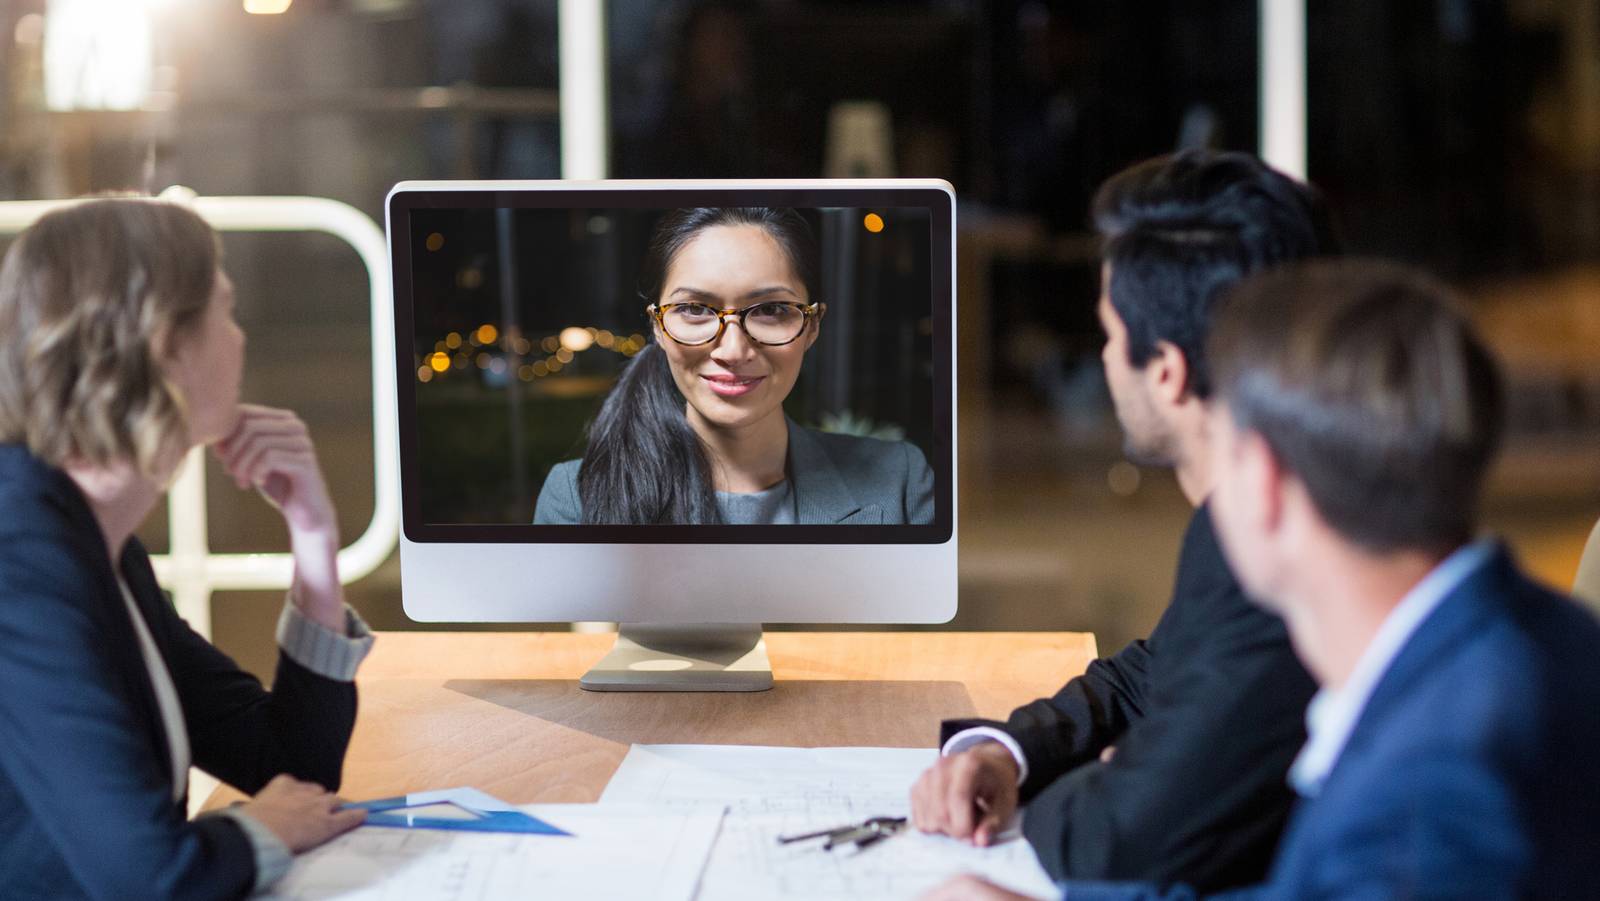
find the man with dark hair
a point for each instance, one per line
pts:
(1455, 739)
(1165, 762)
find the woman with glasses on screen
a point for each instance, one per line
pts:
(118, 354)
(694, 431)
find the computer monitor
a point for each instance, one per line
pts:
(688, 407)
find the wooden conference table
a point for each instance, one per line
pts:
(503, 712)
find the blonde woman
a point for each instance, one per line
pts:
(118, 353)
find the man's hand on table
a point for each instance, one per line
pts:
(969, 795)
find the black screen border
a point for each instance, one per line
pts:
(941, 207)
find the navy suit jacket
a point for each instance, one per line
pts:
(1474, 770)
(86, 806)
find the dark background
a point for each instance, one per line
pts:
(1463, 135)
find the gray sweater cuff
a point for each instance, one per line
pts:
(272, 855)
(321, 650)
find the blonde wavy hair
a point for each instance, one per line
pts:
(92, 299)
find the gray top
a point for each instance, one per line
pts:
(834, 479)
(769, 507)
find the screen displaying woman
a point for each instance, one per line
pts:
(583, 361)
(695, 432)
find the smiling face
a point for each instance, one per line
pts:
(734, 382)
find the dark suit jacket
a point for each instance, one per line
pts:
(1473, 772)
(837, 479)
(1206, 716)
(86, 806)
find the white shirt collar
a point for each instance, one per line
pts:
(1333, 713)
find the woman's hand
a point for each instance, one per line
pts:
(302, 815)
(271, 451)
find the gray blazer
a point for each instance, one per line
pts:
(837, 479)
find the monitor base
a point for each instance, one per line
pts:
(709, 657)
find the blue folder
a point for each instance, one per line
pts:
(485, 813)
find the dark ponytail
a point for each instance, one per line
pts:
(644, 463)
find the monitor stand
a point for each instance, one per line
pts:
(702, 657)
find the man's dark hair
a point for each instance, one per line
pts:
(1371, 387)
(1179, 230)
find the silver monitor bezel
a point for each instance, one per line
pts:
(657, 573)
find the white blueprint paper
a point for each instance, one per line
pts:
(614, 852)
(782, 791)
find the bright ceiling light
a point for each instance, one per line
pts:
(266, 7)
(98, 54)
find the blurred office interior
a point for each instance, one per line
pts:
(1459, 134)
